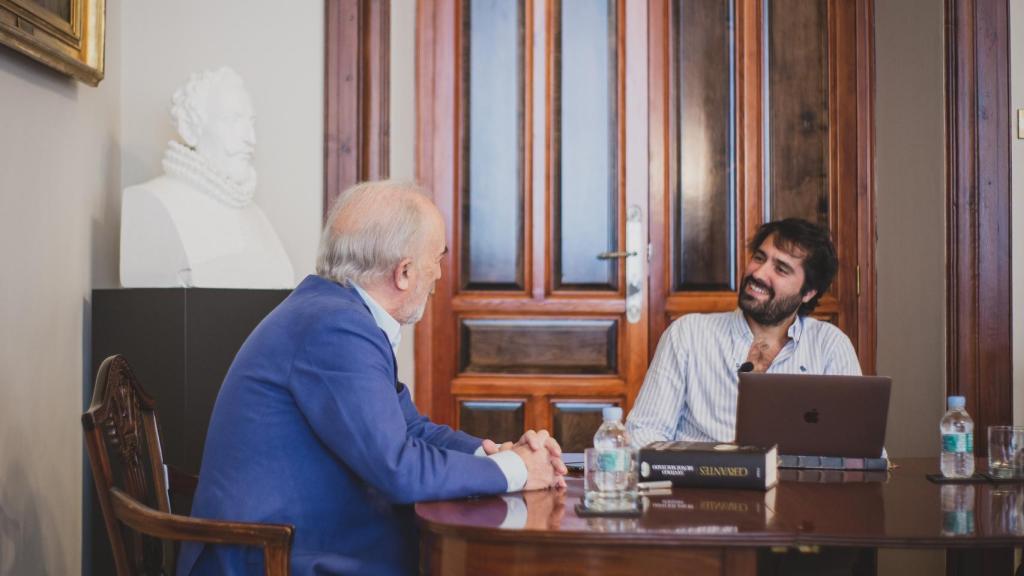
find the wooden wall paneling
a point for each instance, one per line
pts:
(437, 126)
(750, 127)
(550, 135)
(979, 352)
(376, 88)
(357, 55)
(867, 297)
(978, 338)
(341, 98)
(843, 147)
(659, 148)
(539, 72)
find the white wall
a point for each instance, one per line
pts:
(1017, 205)
(278, 50)
(910, 253)
(403, 132)
(59, 179)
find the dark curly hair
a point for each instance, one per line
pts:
(820, 262)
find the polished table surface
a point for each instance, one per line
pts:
(899, 509)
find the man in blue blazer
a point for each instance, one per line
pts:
(311, 426)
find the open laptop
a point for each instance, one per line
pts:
(810, 415)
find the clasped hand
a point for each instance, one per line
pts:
(542, 456)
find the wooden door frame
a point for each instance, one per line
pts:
(356, 89)
(979, 347)
(979, 352)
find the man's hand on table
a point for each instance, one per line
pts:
(542, 456)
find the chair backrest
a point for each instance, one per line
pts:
(123, 439)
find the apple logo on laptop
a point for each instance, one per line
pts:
(811, 417)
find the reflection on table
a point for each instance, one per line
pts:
(807, 511)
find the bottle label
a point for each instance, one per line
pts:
(613, 460)
(958, 442)
(958, 522)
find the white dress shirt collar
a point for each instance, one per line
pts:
(384, 321)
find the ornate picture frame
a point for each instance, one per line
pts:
(67, 35)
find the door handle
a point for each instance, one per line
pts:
(615, 255)
(634, 266)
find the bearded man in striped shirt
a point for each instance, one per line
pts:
(690, 389)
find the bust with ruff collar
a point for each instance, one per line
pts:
(197, 225)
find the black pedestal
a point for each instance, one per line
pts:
(180, 342)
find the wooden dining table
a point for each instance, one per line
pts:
(817, 515)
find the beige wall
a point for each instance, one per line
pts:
(909, 182)
(909, 164)
(59, 180)
(403, 132)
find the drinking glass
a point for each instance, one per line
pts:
(1006, 451)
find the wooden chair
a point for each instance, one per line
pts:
(134, 485)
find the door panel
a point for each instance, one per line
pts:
(789, 148)
(542, 124)
(539, 346)
(492, 197)
(500, 419)
(704, 187)
(585, 155)
(574, 423)
(797, 108)
(529, 310)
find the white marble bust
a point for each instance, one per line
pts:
(197, 224)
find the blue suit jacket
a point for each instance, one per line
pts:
(311, 428)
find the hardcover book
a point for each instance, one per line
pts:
(710, 465)
(833, 463)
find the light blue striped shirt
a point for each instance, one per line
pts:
(690, 389)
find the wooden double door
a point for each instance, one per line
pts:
(601, 165)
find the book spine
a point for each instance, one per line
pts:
(836, 463)
(704, 469)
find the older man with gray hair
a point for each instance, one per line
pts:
(312, 428)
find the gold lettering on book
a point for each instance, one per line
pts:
(715, 506)
(728, 471)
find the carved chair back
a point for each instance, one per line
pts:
(123, 439)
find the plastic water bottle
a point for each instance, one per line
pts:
(616, 475)
(957, 431)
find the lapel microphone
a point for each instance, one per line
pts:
(746, 367)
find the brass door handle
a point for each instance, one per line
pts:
(614, 255)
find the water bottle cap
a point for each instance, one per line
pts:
(957, 402)
(611, 413)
